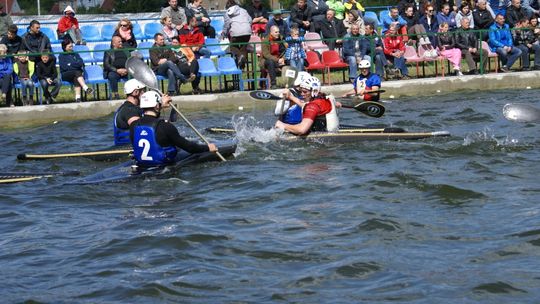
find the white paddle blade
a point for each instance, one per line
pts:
(139, 70)
(521, 113)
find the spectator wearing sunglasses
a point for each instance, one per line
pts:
(124, 30)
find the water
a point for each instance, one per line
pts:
(444, 220)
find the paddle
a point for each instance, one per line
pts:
(15, 177)
(369, 92)
(521, 112)
(142, 72)
(25, 156)
(369, 108)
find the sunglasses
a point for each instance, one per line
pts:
(124, 25)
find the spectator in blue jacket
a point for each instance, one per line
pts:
(72, 69)
(6, 70)
(447, 16)
(393, 17)
(500, 41)
(499, 6)
(355, 48)
(430, 23)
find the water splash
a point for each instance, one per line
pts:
(248, 129)
(487, 135)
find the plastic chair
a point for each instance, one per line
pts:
(439, 58)
(212, 44)
(314, 63)
(227, 66)
(150, 29)
(99, 52)
(137, 31)
(256, 40)
(90, 33)
(93, 75)
(208, 69)
(411, 56)
(84, 52)
(107, 31)
(56, 49)
(144, 49)
(491, 54)
(314, 42)
(18, 89)
(332, 60)
(22, 30)
(50, 33)
(371, 17)
(217, 23)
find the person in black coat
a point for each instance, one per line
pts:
(34, 41)
(301, 16)
(114, 65)
(515, 13)
(47, 75)
(12, 40)
(331, 29)
(482, 18)
(469, 44)
(72, 69)
(195, 8)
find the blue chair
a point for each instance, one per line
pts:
(144, 49)
(93, 75)
(22, 30)
(50, 33)
(107, 31)
(57, 49)
(90, 33)
(84, 52)
(18, 89)
(217, 23)
(208, 69)
(212, 44)
(371, 17)
(99, 52)
(227, 66)
(150, 29)
(137, 31)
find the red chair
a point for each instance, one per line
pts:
(332, 60)
(491, 54)
(314, 63)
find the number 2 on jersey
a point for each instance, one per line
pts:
(145, 144)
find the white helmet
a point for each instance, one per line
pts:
(132, 85)
(311, 83)
(150, 99)
(364, 64)
(300, 77)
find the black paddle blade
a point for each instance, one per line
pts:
(370, 108)
(263, 95)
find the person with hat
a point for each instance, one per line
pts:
(155, 141)
(365, 82)
(278, 21)
(68, 27)
(5, 21)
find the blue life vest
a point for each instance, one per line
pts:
(146, 150)
(293, 115)
(121, 136)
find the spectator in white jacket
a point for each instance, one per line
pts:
(237, 27)
(465, 12)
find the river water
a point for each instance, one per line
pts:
(443, 220)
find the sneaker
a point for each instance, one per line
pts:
(89, 91)
(196, 91)
(473, 72)
(405, 77)
(458, 73)
(192, 77)
(77, 100)
(504, 69)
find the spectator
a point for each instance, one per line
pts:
(6, 70)
(5, 20)
(190, 35)
(418, 6)
(467, 40)
(273, 54)
(353, 5)
(317, 8)
(354, 50)
(279, 22)
(447, 16)
(188, 65)
(439, 5)
(532, 7)
(295, 55)
(500, 41)
(482, 18)
(168, 30)
(114, 65)
(124, 30)
(164, 62)
(535, 27)
(394, 49)
(47, 75)
(259, 17)
(354, 19)
(464, 13)
(68, 27)
(177, 14)
(376, 50)
(24, 69)
(446, 43)
(393, 17)
(12, 40)
(429, 22)
(34, 41)
(196, 9)
(331, 29)
(72, 69)
(498, 7)
(525, 40)
(338, 8)
(237, 27)
(515, 13)
(417, 31)
(301, 16)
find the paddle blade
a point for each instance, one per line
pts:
(139, 70)
(263, 95)
(521, 113)
(372, 109)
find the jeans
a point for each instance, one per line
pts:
(380, 61)
(114, 78)
(297, 64)
(172, 72)
(188, 69)
(400, 63)
(508, 58)
(27, 85)
(45, 86)
(203, 52)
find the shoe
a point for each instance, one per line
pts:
(48, 101)
(504, 69)
(457, 72)
(473, 72)
(536, 68)
(196, 91)
(77, 100)
(191, 77)
(525, 69)
(241, 62)
(405, 77)
(89, 91)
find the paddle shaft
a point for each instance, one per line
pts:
(75, 154)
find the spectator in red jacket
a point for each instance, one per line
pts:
(191, 35)
(68, 27)
(394, 49)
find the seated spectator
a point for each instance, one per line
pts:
(331, 29)
(446, 15)
(498, 7)
(237, 27)
(394, 49)
(318, 9)
(114, 65)
(168, 30)
(72, 69)
(301, 16)
(338, 7)
(515, 13)
(416, 31)
(24, 69)
(352, 18)
(35, 42)
(164, 62)
(525, 40)
(124, 30)
(482, 18)
(188, 65)
(190, 36)
(12, 40)
(446, 43)
(47, 75)
(279, 22)
(259, 16)
(295, 55)
(430, 24)
(195, 8)
(355, 50)
(532, 7)
(467, 41)
(535, 27)
(353, 5)
(177, 14)
(6, 70)
(273, 51)
(375, 50)
(500, 41)
(68, 27)
(464, 12)
(394, 18)
(5, 20)
(417, 5)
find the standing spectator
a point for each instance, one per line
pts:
(429, 22)
(525, 40)
(318, 9)
(68, 27)
(164, 62)
(124, 30)
(464, 13)
(353, 5)
(394, 49)
(196, 9)
(114, 65)
(6, 70)
(515, 13)
(500, 41)
(191, 36)
(354, 50)
(338, 8)
(393, 17)
(24, 69)
(301, 16)
(35, 42)
(177, 14)
(376, 50)
(259, 16)
(5, 20)
(273, 54)
(12, 40)
(352, 18)
(331, 29)
(467, 40)
(188, 65)
(237, 27)
(47, 75)
(446, 15)
(168, 30)
(295, 55)
(446, 42)
(482, 18)
(279, 22)
(72, 69)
